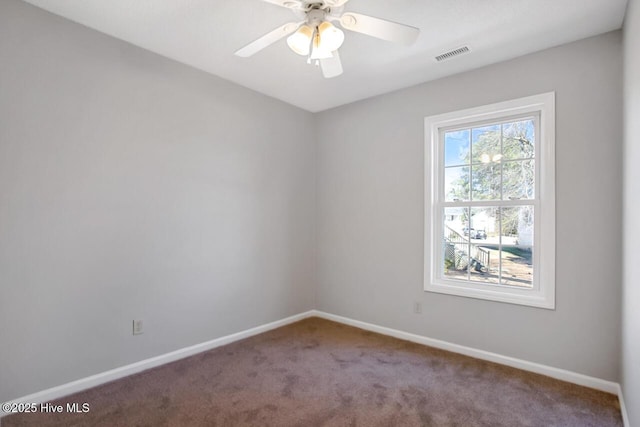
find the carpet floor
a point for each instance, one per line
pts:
(321, 373)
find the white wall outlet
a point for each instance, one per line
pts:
(137, 327)
(417, 308)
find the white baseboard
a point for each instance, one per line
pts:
(561, 374)
(623, 409)
(143, 365)
(114, 374)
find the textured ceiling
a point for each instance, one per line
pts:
(206, 33)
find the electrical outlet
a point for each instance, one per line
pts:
(417, 308)
(137, 327)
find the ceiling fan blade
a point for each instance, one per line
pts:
(380, 28)
(289, 4)
(331, 67)
(267, 40)
(335, 3)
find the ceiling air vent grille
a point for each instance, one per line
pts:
(452, 53)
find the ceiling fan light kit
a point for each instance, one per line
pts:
(319, 40)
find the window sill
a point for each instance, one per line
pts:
(504, 294)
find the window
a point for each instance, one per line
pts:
(490, 202)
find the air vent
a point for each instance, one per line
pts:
(452, 53)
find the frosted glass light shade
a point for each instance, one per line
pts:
(319, 51)
(331, 38)
(300, 41)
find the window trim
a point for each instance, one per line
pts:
(543, 293)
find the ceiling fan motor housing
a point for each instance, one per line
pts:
(307, 9)
(315, 17)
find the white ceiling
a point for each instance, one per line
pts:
(206, 33)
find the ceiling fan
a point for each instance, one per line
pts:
(316, 37)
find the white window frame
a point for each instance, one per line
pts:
(542, 294)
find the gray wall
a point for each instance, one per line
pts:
(631, 283)
(135, 187)
(370, 223)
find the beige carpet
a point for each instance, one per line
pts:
(320, 373)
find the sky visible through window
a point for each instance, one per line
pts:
(457, 143)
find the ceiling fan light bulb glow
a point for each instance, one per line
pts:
(331, 38)
(319, 51)
(300, 41)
